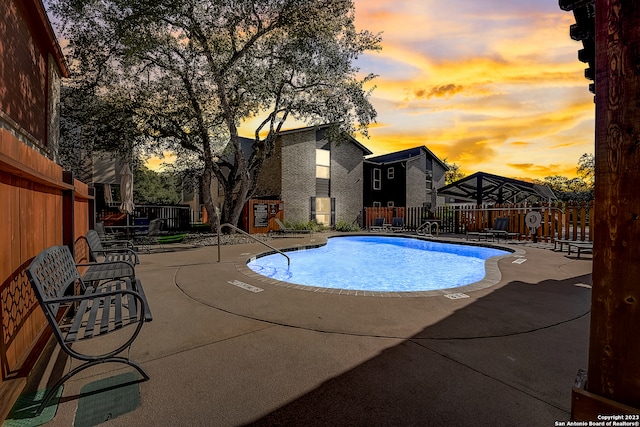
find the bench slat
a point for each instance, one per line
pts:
(106, 303)
(118, 307)
(91, 321)
(72, 335)
(108, 270)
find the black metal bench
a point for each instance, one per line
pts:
(112, 306)
(106, 264)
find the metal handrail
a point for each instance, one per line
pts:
(429, 224)
(253, 237)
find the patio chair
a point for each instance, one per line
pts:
(501, 229)
(288, 230)
(397, 224)
(378, 225)
(108, 240)
(153, 235)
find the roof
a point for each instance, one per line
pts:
(483, 187)
(364, 149)
(38, 13)
(400, 156)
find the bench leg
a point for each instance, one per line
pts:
(52, 391)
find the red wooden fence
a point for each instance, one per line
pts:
(568, 221)
(41, 207)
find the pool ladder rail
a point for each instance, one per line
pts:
(427, 225)
(233, 227)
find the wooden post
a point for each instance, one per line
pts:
(68, 212)
(613, 377)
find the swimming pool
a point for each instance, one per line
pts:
(380, 264)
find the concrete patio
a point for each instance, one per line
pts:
(219, 354)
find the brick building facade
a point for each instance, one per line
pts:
(316, 177)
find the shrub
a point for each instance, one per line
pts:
(347, 226)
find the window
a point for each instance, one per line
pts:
(377, 179)
(323, 210)
(429, 179)
(323, 164)
(390, 204)
(391, 173)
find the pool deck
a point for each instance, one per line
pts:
(221, 354)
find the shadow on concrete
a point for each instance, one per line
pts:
(509, 358)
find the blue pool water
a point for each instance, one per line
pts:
(382, 264)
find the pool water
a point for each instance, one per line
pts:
(381, 264)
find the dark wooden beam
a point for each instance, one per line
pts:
(614, 347)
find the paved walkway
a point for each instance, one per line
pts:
(219, 354)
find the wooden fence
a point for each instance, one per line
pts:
(175, 217)
(568, 221)
(41, 207)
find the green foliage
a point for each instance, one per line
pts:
(155, 188)
(453, 174)
(587, 169)
(91, 123)
(311, 225)
(577, 189)
(188, 72)
(347, 226)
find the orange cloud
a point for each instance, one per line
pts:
(542, 171)
(444, 91)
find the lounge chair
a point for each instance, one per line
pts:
(397, 224)
(288, 230)
(561, 243)
(152, 236)
(379, 225)
(108, 240)
(501, 229)
(479, 235)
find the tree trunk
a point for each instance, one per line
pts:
(207, 200)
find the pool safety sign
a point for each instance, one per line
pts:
(245, 286)
(456, 296)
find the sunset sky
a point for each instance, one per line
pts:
(491, 85)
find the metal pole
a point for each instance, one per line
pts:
(217, 210)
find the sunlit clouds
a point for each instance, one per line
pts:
(493, 86)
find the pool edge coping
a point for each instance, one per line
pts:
(492, 277)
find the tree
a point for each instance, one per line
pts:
(453, 174)
(193, 70)
(91, 123)
(155, 188)
(575, 189)
(587, 169)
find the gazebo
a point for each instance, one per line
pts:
(482, 187)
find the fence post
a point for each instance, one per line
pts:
(68, 213)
